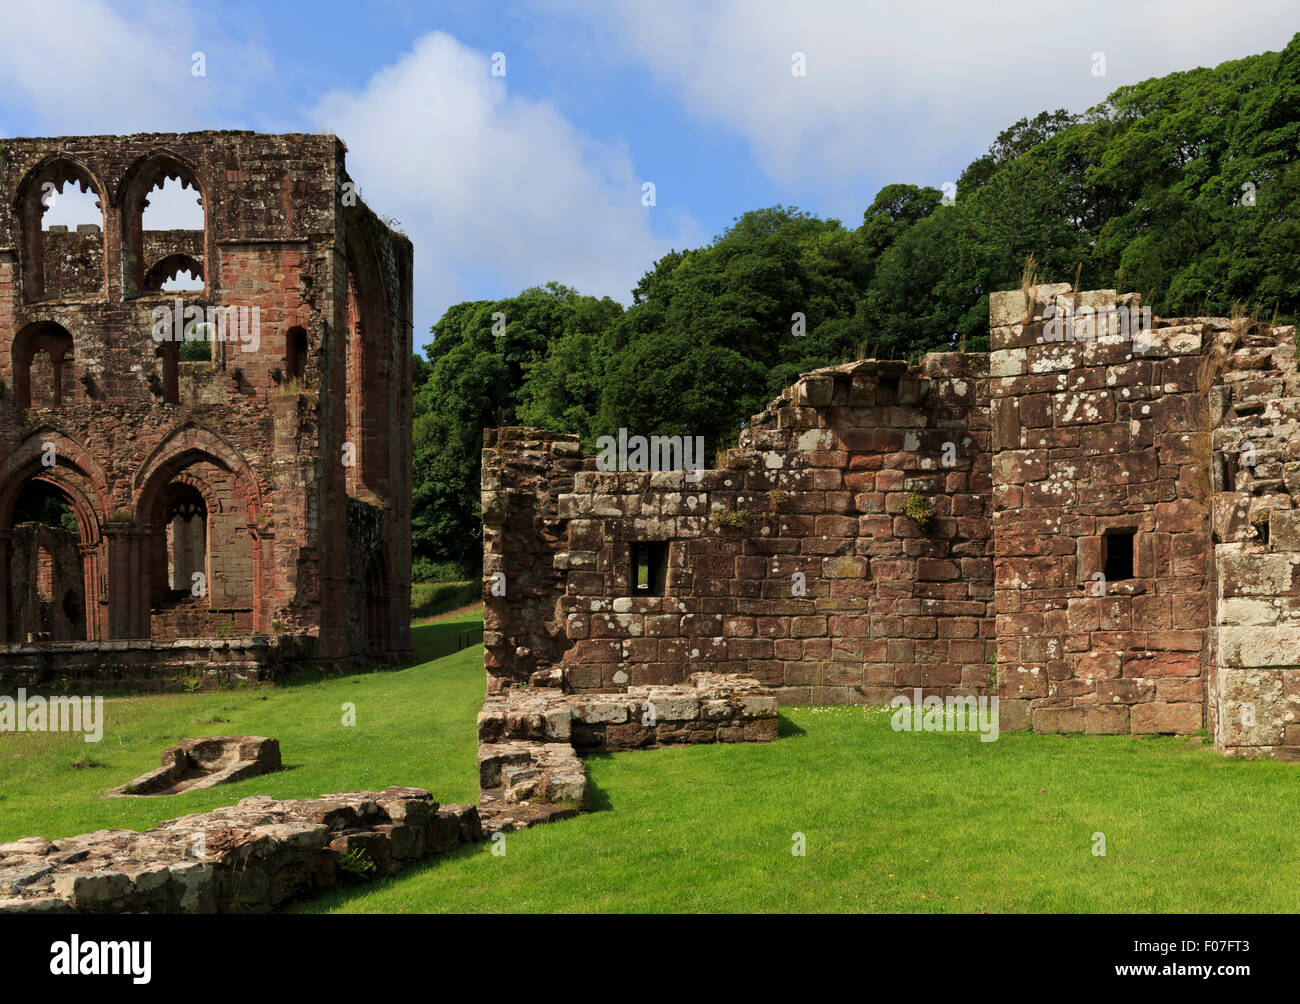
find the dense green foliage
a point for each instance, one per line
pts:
(1183, 188)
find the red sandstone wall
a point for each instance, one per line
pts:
(273, 240)
(817, 487)
(525, 472)
(1057, 444)
(1091, 436)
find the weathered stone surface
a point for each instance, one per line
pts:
(1179, 719)
(249, 857)
(644, 716)
(202, 763)
(227, 466)
(37, 846)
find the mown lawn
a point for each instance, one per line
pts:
(414, 726)
(892, 821)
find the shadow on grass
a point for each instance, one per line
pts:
(786, 728)
(433, 641)
(428, 642)
(597, 797)
(343, 894)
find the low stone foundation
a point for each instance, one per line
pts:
(247, 858)
(529, 769)
(143, 665)
(202, 763)
(713, 708)
(140, 665)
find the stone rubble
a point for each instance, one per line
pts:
(247, 858)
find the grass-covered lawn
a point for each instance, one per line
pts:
(892, 821)
(413, 726)
(428, 599)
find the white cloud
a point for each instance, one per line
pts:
(77, 67)
(911, 92)
(488, 183)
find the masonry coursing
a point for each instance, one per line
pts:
(1059, 522)
(270, 439)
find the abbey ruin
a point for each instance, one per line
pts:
(1094, 521)
(215, 476)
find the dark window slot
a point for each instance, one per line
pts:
(648, 573)
(1118, 552)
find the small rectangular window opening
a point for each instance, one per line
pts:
(649, 571)
(1118, 551)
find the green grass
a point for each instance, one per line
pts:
(893, 822)
(414, 726)
(905, 822)
(428, 599)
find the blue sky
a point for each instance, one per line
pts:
(505, 182)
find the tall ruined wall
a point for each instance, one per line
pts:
(525, 472)
(1097, 438)
(1254, 692)
(794, 564)
(265, 427)
(1097, 517)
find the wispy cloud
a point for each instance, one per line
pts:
(72, 67)
(907, 92)
(483, 180)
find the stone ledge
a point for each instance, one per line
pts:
(713, 708)
(525, 772)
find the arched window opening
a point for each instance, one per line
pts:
(202, 569)
(62, 222)
(164, 227)
(172, 221)
(176, 272)
(173, 203)
(43, 367)
(295, 353)
(186, 519)
(46, 571)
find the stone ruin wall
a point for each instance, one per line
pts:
(262, 446)
(1094, 438)
(816, 486)
(1057, 446)
(47, 593)
(1254, 683)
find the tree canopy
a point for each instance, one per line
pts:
(1183, 188)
